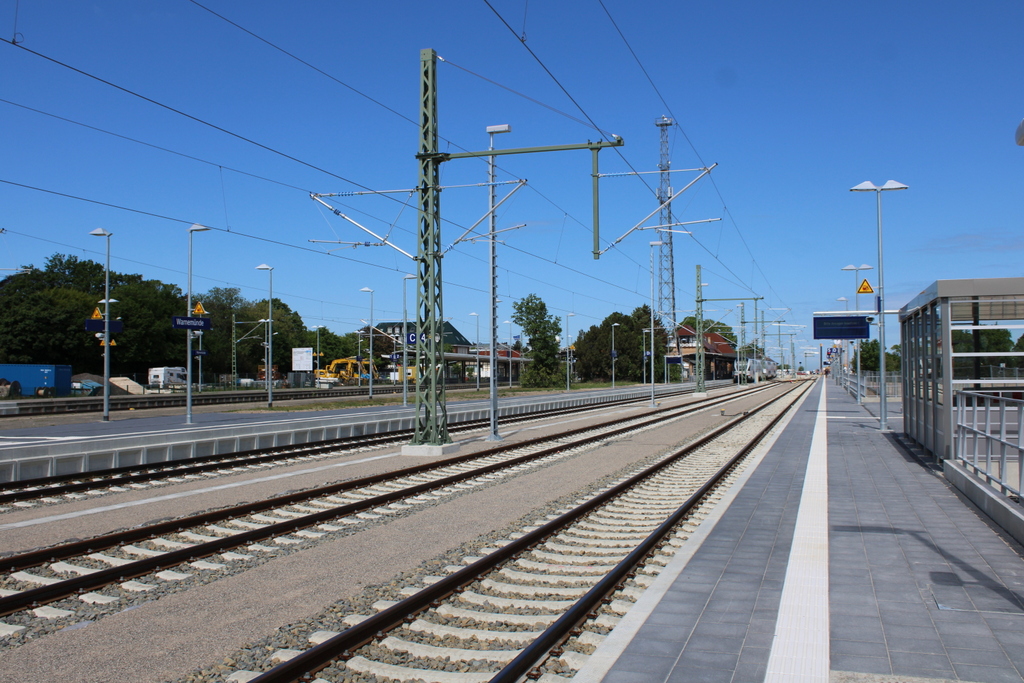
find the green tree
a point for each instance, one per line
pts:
(869, 357)
(594, 349)
(145, 308)
(541, 329)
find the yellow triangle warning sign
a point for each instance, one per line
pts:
(865, 288)
(96, 315)
(112, 342)
(199, 310)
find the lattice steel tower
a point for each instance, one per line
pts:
(666, 261)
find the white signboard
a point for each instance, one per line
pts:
(302, 360)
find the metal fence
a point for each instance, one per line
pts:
(988, 437)
(867, 386)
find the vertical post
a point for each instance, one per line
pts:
(743, 341)
(700, 389)
(370, 292)
(653, 245)
(188, 339)
(270, 342)
(614, 354)
(757, 374)
(492, 255)
(882, 404)
(509, 353)
(405, 341)
(666, 257)
(100, 232)
(595, 176)
(234, 354)
(106, 336)
(431, 409)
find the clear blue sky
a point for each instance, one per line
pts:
(796, 102)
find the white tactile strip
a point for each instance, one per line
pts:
(800, 651)
(602, 660)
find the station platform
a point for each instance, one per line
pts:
(841, 557)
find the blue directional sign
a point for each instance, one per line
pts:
(410, 338)
(841, 327)
(199, 352)
(116, 326)
(182, 322)
(396, 356)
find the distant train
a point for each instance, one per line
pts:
(755, 369)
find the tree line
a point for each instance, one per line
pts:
(43, 312)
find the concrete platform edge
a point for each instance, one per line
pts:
(601, 661)
(1002, 511)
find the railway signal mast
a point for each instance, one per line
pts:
(666, 259)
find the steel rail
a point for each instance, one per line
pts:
(50, 593)
(345, 643)
(43, 487)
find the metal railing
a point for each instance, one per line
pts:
(867, 387)
(988, 432)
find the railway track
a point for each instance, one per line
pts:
(61, 488)
(539, 602)
(104, 574)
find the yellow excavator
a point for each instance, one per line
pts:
(345, 371)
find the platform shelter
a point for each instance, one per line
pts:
(956, 336)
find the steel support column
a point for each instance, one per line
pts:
(431, 408)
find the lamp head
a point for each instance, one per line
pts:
(196, 227)
(502, 128)
(264, 266)
(893, 185)
(100, 232)
(366, 289)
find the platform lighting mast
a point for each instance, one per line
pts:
(666, 260)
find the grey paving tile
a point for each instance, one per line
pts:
(678, 634)
(980, 657)
(720, 630)
(715, 643)
(858, 647)
(699, 675)
(645, 665)
(861, 664)
(897, 643)
(707, 659)
(986, 674)
(907, 663)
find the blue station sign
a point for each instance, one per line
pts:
(116, 326)
(842, 327)
(181, 322)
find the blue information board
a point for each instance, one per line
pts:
(842, 327)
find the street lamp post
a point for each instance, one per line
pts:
(268, 352)
(568, 351)
(194, 228)
(317, 328)
(868, 186)
(614, 353)
(370, 292)
(492, 257)
(404, 341)
(509, 322)
(653, 245)
(477, 346)
(856, 289)
(100, 232)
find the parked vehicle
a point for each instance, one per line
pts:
(345, 371)
(164, 378)
(755, 369)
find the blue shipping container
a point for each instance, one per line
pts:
(50, 380)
